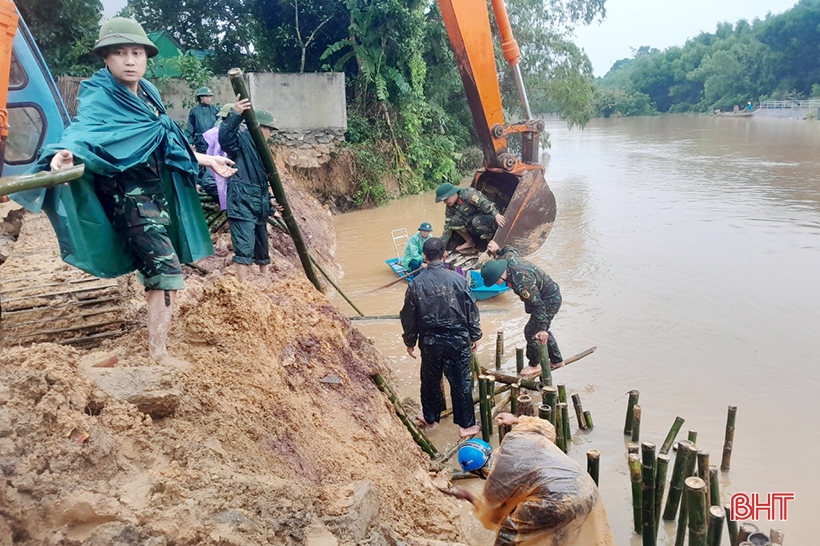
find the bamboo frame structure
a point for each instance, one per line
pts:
(417, 434)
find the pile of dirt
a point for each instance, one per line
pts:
(268, 430)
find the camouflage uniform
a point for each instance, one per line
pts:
(542, 300)
(473, 212)
(137, 208)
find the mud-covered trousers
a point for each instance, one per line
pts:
(453, 360)
(533, 345)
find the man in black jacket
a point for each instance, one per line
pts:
(440, 314)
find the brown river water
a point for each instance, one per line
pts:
(687, 251)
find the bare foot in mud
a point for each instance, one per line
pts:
(472, 431)
(531, 371)
(420, 420)
(466, 247)
(172, 362)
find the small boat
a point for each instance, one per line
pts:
(479, 289)
(741, 114)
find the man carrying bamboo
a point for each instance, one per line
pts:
(440, 314)
(541, 297)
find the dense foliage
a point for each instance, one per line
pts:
(772, 59)
(407, 112)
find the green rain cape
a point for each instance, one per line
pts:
(114, 131)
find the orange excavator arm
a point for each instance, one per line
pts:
(516, 185)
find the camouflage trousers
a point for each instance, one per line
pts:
(158, 267)
(533, 346)
(480, 226)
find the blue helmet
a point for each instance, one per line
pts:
(425, 226)
(474, 454)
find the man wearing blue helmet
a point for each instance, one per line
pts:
(413, 253)
(534, 494)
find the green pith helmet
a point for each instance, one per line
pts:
(444, 191)
(492, 271)
(225, 110)
(266, 119)
(204, 92)
(121, 31)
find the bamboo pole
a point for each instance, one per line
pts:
(696, 494)
(691, 460)
(692, 436)
(491, 391)
(43, 179)
(483, 410)
(745, 531)
(579, 411)
(512, 380)
(567, 430)
(731, 525)
(729, 440)
(502, 404)
(500, 390)
(525, 405)
(635, 477)
(560, 437)
(562, 393)
(545, 412)
(499, 349)
(648, 493)
(633, 400)
(676, 483)
(714, 486)
(447, 454)
(519, 360)
(673, 432)
(515, 391)
(419, 436)
(239, 89)
(776, 536)
(703, 468)
(593, 464)
(549, 396)
(219, 223)
(633, 447)
(715, 528)
(636, 423)
(502, 431)
(588, 419)
(759, 539)
(546, 368)
(660, 487)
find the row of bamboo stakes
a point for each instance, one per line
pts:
(492, 400)
(693, 497)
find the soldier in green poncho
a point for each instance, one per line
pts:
(201, 118)
(136, 207)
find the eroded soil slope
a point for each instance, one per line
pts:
(247, 443)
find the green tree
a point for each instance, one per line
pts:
(66, 47)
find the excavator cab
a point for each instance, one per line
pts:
(515, 184)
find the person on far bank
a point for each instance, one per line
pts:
(413, 253)
(140, 172)
(540, 294)
(441, 315)
(469, 214)
(249, 202)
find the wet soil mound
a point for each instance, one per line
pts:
(268, 430)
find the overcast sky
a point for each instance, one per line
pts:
(662, 24)
(635, 23)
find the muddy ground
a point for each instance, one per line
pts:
(266, 428)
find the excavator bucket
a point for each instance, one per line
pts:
(527, 203)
